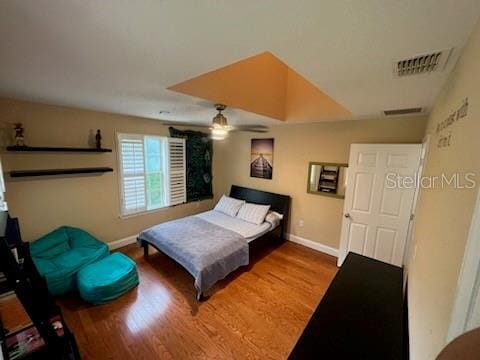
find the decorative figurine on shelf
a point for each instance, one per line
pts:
(19, 139)
(98, 140)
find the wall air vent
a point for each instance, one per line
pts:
(422, 64)
(406, 111)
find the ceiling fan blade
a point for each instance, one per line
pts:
(258, 127)
(251, 130)
(205, 103)
(177, 123)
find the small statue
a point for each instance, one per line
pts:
(19, 139)
(98, 140)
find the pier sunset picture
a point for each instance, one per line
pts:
(261, 160)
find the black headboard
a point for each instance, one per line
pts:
(279, 203)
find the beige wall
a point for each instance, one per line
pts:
(443, 215)
(92, 202)
(295, 147)
(89, 202)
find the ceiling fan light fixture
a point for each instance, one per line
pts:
(219, 129)
(218, 133)
(220, 119)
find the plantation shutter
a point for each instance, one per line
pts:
(177, 171)
(132, 170)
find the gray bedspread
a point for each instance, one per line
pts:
(208, 252)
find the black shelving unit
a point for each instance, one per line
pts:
(55, 149)
(31, 290)
(53, 172)
(328, 181)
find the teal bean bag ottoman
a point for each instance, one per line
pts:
(60, 254)
(107, 279)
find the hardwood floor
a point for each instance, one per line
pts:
(258, 312)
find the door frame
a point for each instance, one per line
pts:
(421, 169)
(469, 278)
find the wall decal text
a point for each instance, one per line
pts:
(445, 137)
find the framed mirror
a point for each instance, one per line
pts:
(328, 179)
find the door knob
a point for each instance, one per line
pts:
(347, 215)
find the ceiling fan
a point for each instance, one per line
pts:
(219, 129)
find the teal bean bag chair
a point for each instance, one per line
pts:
(60, 254)
(107, 279)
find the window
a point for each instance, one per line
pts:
(152, 172)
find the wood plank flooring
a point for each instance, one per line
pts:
(258, 312)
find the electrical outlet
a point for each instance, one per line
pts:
(301, 223)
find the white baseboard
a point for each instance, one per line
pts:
(122, 242)
(313, 245)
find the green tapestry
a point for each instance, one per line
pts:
(199, 151)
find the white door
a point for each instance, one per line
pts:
(378, 200)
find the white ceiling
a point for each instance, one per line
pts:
(120, 55)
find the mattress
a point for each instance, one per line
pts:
(207, 251)
(247, 230)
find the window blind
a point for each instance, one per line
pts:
(132, 170)
(177, 171)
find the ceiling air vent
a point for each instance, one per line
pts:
(422, 64)
(403, 111)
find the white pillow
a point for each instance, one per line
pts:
(253, 213)
(275, 214)
(274, 218)
(229, 205)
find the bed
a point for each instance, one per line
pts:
(211, 245)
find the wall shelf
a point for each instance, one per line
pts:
(50, 172)
(55, 149)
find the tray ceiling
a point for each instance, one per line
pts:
(121, 56)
